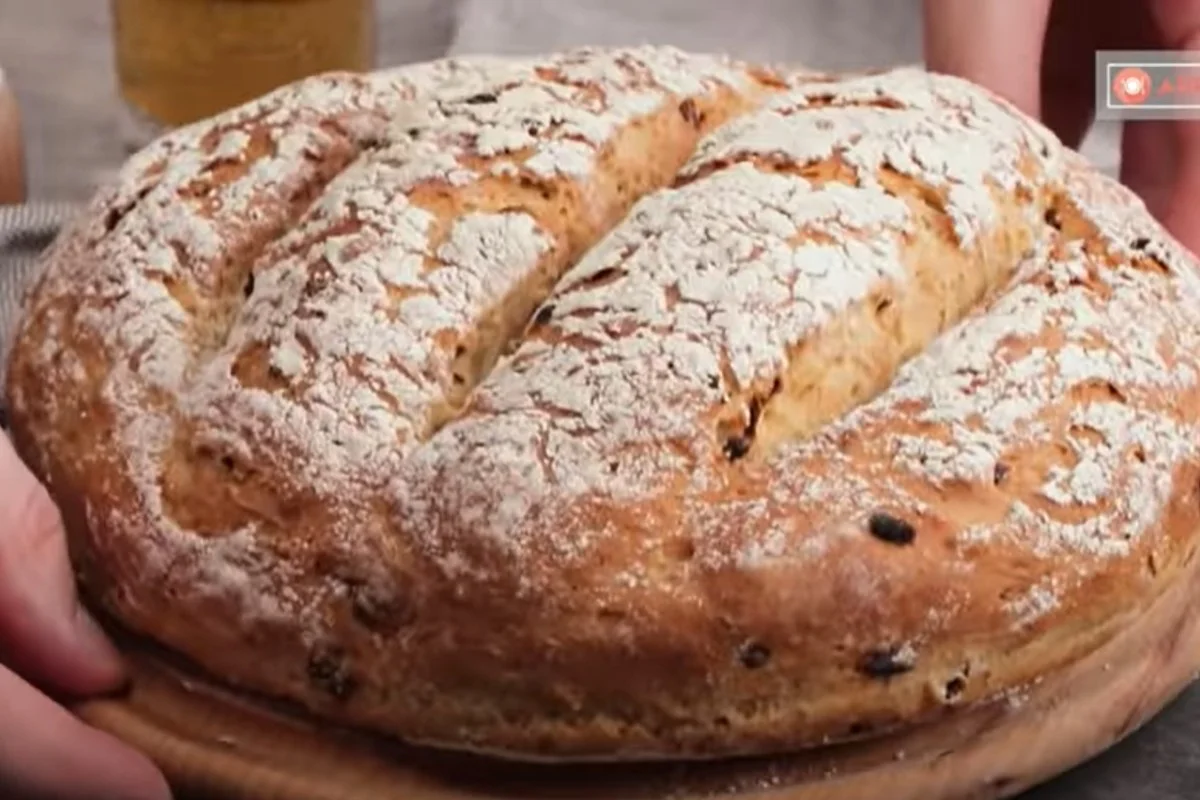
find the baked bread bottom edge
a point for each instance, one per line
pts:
(215, 743)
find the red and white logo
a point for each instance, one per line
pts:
(1131, 86)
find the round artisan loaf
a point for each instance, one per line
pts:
(618, 403)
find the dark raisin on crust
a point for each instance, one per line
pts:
(248, 289)
(892, 530)
(544, 315)
(736, 447)
(1053, 219)
(327, 669)
(884, 663)
(600, 277)
(754, 655)
(739, 445)
(755, 414)
(113, 217)
(999, 473)
(1140, 243)
(481, 99)
(690, 113)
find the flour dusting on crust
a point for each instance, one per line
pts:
(441, 361)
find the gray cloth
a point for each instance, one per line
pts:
(25, 231)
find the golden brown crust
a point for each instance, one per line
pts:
(618, 404)
(211, 743)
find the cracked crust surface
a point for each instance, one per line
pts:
(618, 403)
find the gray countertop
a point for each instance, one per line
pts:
(58, 57)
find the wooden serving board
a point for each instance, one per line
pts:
(217, 745)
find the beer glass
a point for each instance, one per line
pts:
(178, 61)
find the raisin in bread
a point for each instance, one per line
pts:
(622, 403)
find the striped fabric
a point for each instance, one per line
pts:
(24, 231)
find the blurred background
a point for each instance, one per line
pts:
(58, 56)
(60, 59)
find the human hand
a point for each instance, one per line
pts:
(12, 166)
(47, 639)
(1040, 55)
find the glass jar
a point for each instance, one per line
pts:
(182, 60)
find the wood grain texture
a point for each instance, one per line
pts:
(58, 57)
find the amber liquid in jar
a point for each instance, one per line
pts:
(179, 61)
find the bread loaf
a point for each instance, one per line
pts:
(618, 404)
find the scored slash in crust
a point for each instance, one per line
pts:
(618, 403)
